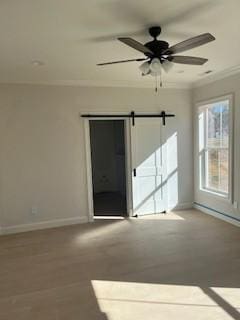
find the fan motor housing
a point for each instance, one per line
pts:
(155, 31)
(157, 47)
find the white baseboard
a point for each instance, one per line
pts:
(181, 206)
(215, 214)
(42, 225)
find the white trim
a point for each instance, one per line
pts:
(104, 83)
(216, 76)
(89, 163)
(215, 193)
(217, 215)
(132, 84)
(43, 225)
(199, 106)
(89, 170)
(228, 96)
(128, 166)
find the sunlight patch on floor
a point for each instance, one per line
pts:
(102, 232)
(128, 300)
(162, 216)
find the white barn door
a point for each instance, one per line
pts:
(149, 166)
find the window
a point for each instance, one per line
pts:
(214, 143)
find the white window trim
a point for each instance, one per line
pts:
(216, 194)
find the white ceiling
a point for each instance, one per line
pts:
(71, 36)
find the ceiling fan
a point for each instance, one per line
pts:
(160, 56)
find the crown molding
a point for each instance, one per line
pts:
(132, 84)
(217, 76)
(104, 83)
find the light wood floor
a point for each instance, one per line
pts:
(177, 266)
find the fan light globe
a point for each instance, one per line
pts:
(155, 66)
(144, 68)
(167, 66)
(155, 74)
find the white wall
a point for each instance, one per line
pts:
(42, 160)
(230, 85)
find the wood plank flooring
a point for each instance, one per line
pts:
(183, 265)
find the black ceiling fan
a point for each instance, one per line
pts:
(159, 50)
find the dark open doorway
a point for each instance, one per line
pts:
(107, 140)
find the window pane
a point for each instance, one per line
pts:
(217, 166)
(223, 158)
(213, 178)
(225, 126)
(213, 146)
(218, 125)
(213, 127)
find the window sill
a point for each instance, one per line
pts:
(216, 195)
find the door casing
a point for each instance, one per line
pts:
(128, 164)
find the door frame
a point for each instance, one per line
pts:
(128, 164)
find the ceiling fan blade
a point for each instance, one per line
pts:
(190, 43)
(187, 60)
(136, 45)
(121, 61)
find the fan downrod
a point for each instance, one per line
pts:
(155, 31)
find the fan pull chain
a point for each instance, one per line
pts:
(160, 82)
